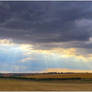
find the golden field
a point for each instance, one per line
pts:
(60, 76)
(47, 82)
(44, 85)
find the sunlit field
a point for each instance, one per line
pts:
(7, 84)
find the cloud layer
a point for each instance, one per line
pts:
(46, 22)
(46, 35)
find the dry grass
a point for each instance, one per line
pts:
(25, 85)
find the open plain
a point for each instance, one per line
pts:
(44, 85)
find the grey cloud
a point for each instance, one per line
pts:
(46, 22)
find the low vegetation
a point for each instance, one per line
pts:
(7, 84)
(46, 82)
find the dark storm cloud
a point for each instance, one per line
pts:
(46, 22)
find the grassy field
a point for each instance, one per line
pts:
(45, 85)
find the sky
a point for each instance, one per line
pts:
(45, 36)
